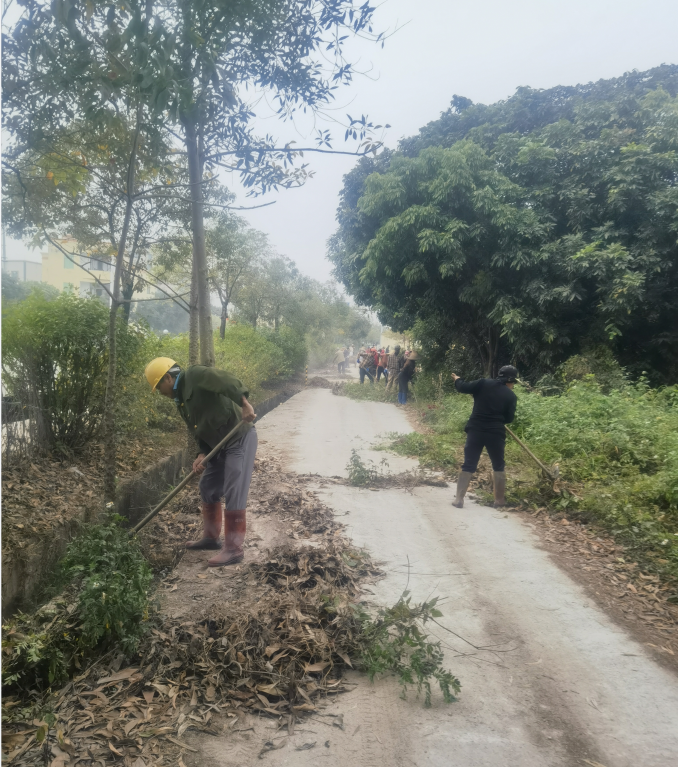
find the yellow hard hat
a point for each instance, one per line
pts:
(157, 368)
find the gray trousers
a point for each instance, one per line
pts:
(229, 473)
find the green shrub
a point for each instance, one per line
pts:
(54, 362)
(17, 290)
(137, 407)
(598, 362)
(104, 603)
(292, 345)
(113, 595)
(251, 357)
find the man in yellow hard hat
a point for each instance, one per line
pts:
(212, 402)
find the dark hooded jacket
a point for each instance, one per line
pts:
(494, 404)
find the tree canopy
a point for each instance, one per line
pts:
(191, 69)
(528, 229)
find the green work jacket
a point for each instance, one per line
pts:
(209, 401)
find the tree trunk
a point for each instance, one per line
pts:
(193, 332)
(199, 251)
(127, 293)
(488, 352)
(224, 317)
(109, 401)
(494, 352)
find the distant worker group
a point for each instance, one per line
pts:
(375, 364)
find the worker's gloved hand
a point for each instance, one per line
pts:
(248, 413)
(198, 468)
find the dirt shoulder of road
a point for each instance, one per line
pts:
(43, 494)
(637, 601)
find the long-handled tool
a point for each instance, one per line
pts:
(553, 473)
(185, 481)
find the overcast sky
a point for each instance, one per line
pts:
(483, 50)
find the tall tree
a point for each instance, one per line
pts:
(450, 236)
(233, 251)
(594, 166)
(281, 276)
(191, 61)
(54, 77)
(214, 52)
(73, 185)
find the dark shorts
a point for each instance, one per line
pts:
(493, 442)
(229, 473)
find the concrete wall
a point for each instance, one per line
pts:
(23, 270)
(25, 570)
(61, 272)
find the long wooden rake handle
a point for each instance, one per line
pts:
(553, 476)
(183, 482)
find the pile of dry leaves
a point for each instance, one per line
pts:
(277, 655)
(276, 646)
(319, 382)
(275, 492)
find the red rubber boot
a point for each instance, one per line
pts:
(235, 526)
(211, 522)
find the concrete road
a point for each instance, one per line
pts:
(548, 679)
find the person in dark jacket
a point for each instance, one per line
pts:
(212, 402)
(406, 374)
(494, 405)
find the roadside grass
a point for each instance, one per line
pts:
(367, 392)
(617, 452)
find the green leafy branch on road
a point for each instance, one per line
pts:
(397, 641)
(361, 474)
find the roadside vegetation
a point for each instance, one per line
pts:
(100, 596)
(617, 451)
(103, 604)
(55, 361)
(539, 231)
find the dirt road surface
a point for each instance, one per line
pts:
(548, 679)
